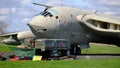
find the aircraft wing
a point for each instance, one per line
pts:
(99, 24)
(8, 35)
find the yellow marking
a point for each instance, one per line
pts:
(37, 58)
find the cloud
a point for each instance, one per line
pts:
(13, 10)
(5, 10)
(26, 13)
(26, 20)
(54, 2)
(103, 6)
(110, 13)
(25, 2)
(110, 2)
(2, 18)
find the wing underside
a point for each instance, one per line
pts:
(102, 25)
(10, 36)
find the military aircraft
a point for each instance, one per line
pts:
(17, 38)
(77, 25)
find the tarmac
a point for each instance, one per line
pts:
(96, 56)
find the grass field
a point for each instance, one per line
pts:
(101, 49)
(6, 48)
(91, 63)
(84, 63)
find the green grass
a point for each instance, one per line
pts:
(6, 48)
(101, 49)
(94, 49)
(91, 63)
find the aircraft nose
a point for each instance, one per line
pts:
(41, 23)
(38, 20)
(44, 26)
(38, 23)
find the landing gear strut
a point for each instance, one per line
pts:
(75, 50)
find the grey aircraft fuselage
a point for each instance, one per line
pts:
(62, 23)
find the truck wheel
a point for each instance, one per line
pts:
(68, 52)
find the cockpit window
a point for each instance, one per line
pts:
(46, 13)
(49, 12)
(53, 11)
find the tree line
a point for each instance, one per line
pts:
(3, 26)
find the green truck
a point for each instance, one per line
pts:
(48, 48)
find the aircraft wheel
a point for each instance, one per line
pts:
(68, 52)
(75, 49)
(78, 50)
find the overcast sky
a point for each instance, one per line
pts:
(17, 13)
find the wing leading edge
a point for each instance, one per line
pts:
(8, 35)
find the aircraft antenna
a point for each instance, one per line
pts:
(43, 5)
(95, 11)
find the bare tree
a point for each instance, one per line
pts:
(3, 25)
